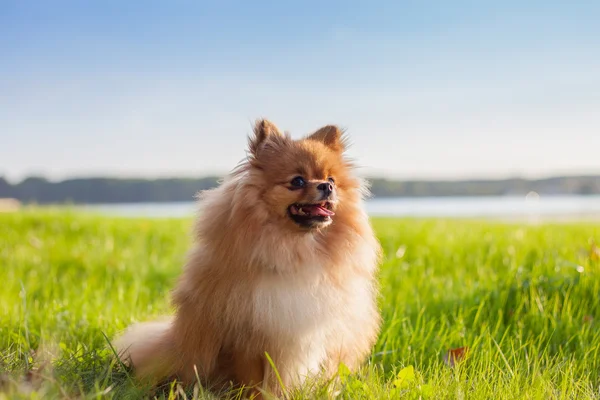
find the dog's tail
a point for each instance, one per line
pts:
(149, 349)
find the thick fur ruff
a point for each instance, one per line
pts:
(255, 281)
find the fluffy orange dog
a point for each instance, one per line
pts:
(283, 264)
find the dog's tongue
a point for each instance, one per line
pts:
(318, 210)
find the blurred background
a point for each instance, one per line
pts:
(462, 108)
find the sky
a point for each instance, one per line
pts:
(426, 89)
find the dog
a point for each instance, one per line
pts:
(280, 284)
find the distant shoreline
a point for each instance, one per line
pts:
(119, 190)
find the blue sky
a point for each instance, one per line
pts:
(426, 89)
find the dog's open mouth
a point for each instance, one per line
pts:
(311, 214)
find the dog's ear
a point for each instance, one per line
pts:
(332, 136)
(264, 130)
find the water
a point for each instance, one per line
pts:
(531, 206)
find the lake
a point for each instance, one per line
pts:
(531, 206)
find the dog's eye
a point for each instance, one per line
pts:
(298, 182)
(331, 179)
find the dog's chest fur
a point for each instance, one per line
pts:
(306, 314)
(299, 304)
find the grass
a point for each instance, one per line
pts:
(524, 300)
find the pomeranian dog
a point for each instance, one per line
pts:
(283, 265)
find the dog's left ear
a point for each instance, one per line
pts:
(332, 136)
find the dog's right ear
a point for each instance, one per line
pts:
(264, 130)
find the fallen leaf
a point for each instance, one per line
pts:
(455, 356)
(35, 242)
(405, 377)
(594, 252)
(401, 251)
(343, 371)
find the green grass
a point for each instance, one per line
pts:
(523, 299)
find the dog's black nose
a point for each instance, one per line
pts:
(326, 188)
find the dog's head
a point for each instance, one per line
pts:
(304, 182)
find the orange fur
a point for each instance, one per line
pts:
(257, 282)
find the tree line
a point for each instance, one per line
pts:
(117, 190)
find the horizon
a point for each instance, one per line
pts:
(363, 176)
(427, 91)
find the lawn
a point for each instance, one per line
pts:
(518, 305)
